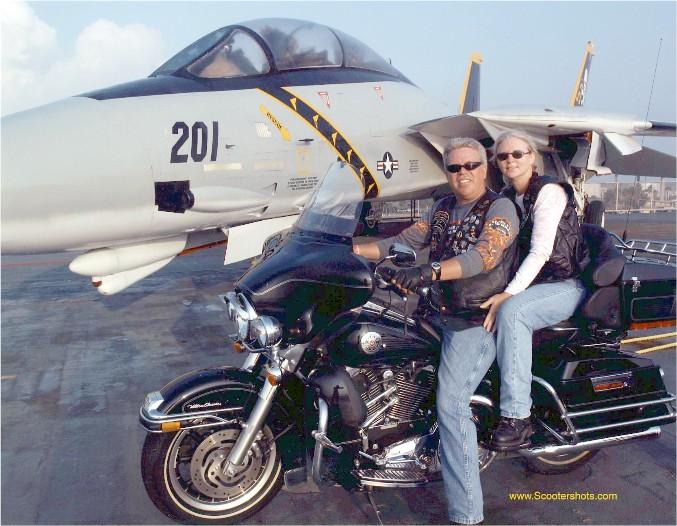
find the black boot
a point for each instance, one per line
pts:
(511, 434)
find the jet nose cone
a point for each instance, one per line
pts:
(63, 179)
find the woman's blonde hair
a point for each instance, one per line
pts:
(522, 136)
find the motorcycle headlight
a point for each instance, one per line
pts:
(242, 328)
(267, 330)
(230, 310)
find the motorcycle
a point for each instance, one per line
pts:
(338, 384)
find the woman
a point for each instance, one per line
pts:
(545, 289)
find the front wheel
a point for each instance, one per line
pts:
(562, 463)
(184, 477)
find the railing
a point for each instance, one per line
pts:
(648, 210)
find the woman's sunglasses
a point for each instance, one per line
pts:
(516, 154)
(455, 168)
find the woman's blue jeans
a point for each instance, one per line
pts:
(518, 317)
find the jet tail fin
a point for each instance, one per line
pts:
(470, 96)
(581, 86)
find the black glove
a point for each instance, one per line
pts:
(411, 278)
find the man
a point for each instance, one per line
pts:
(472, 257)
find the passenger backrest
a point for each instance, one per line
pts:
(603, 303)
(607, 262)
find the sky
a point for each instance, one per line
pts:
(532, 50)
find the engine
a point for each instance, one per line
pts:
(395, 397)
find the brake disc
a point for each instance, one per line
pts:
(206, 467)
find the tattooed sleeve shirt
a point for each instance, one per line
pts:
(500, 229)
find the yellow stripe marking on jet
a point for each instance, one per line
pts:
(329, 133)
(286, 135)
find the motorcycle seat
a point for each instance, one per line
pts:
(602, 304)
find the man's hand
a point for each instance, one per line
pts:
(409, 278)
(493, 305)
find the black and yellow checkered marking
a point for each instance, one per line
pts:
(333, 136)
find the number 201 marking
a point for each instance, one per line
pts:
(199, 139)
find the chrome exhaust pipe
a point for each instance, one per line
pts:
(599, 443)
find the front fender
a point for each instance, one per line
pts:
(177, 392)
(217, 389)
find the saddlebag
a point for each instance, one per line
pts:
(599, 392)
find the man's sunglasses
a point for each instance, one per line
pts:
(516, 154)
(455, 168)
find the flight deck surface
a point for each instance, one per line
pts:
(76, 367)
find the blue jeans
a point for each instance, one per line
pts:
(467, 354)
(518, 317)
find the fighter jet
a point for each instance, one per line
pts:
(225, 142)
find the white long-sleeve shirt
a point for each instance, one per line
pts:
(547, 211)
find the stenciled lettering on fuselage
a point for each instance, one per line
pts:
(196, 140)
(329, 132)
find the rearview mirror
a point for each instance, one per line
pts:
(402, 255)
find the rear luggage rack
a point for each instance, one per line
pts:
(649, 250)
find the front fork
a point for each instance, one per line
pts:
(236, 457)
(285, 362)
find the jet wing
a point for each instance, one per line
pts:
(614, 148)
(438, 131)
(646, 162)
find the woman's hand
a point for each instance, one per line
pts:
(493, 305)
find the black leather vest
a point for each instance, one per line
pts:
(468, 294)
(569, 253)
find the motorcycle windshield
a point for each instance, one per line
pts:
(336, 204)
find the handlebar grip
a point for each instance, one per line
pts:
(387, 272)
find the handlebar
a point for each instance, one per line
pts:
(384, 275)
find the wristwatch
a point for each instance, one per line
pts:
(437, 269)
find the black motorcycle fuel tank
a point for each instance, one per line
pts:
(307, 281)
(378, 339)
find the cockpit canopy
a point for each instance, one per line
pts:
(271, 45)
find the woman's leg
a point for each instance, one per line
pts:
(537, 307)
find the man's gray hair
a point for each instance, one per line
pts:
(522, 136)
(463, 142)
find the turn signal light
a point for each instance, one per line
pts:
(168, 427)
(238, 347)
(273, 379)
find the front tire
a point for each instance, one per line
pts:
(183, 476)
